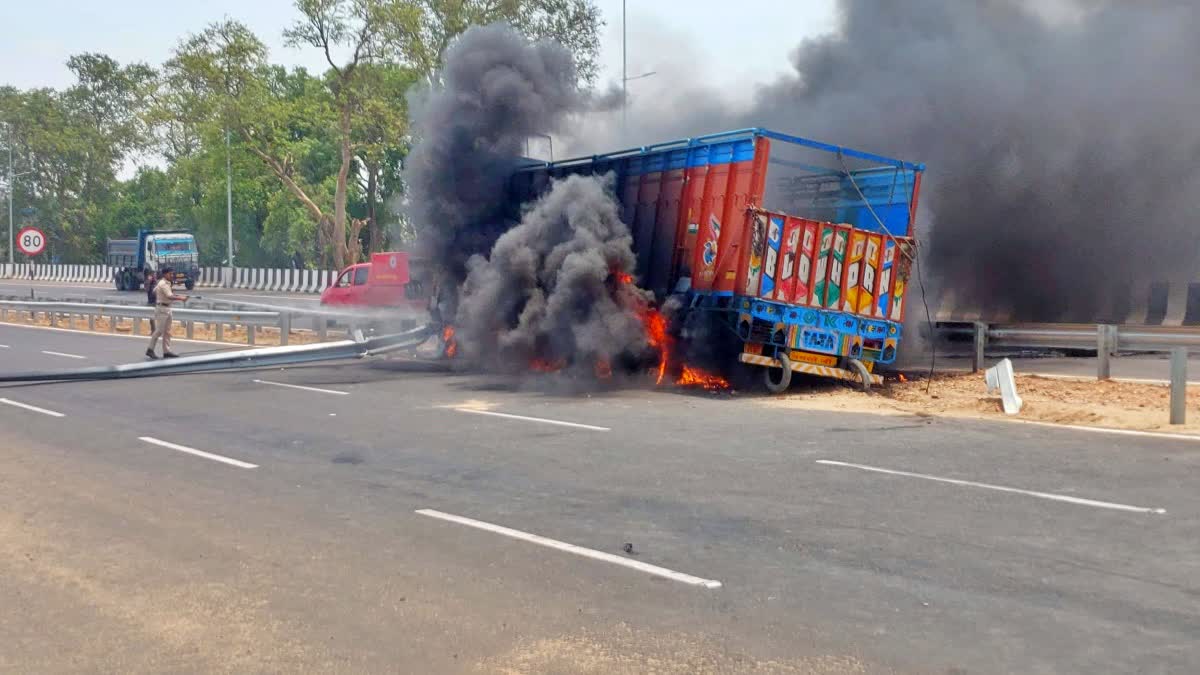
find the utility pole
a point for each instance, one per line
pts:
(624, 73)
(8, 141)
(625, 78)
(229, 202)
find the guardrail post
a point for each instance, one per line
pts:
(977, 359)
(53, 316)
(250, 334)
(1104, 350)
(322, 327)
(91, 321)
(219, 329)
(190, 327)
(285, 327)
(1179, 357)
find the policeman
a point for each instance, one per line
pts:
(163, 297)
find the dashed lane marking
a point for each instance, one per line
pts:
(572, 548)
(999, 488)
(523, 418)
(302, 387)
(34, 408)
(63, 354)
(199, 453)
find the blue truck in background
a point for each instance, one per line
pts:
(150, 251)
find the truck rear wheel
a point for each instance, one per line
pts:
(864, 375)
(780, 385)
(189, 284)
(119, 280)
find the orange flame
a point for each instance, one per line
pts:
(624, 277)
(603, 369)
(451, 344)
(694, 377)
(656, 335)
(903, 378)
(544, 366)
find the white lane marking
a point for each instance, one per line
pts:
(34, 408)
(999, 488)
(1110, 430)
(4, 347)
(572, 548)
(298, 386)
(63, 354)
(199, 453)
(523, 418)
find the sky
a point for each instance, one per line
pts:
(733, 48)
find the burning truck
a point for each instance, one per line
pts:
(750, 246)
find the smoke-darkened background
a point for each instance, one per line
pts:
(1062, 138)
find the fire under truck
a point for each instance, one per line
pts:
(802, 250)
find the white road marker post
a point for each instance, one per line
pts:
(1179, 357)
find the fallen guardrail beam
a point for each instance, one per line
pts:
(265, 357)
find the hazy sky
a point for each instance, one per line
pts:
(735, 43)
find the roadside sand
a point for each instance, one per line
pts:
(1118, 405)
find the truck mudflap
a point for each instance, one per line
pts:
(810, 368)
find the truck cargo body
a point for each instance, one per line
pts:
(805, 247)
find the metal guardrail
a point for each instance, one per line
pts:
(219, 314)
(264, 357)
(1107, 340)
(54, 312)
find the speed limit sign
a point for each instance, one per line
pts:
(31, 241)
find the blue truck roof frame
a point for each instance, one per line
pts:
(730, 136)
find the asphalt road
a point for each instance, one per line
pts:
(322, 530)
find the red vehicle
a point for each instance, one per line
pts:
(386, 281)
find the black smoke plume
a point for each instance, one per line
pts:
(1062, 138)
(552, 287)
(496, 91)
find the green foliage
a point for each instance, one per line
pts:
(315, 159)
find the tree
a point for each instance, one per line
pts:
(575, 24)
(73, 143)
(362, 28)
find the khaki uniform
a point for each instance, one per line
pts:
(162, 315)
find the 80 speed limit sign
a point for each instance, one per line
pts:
(31, 241)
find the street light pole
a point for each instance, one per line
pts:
(624, 73)
(229, 201)
(11, 241)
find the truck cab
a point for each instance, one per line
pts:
(385, 281)
(151, 251)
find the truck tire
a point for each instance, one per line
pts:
(785, 376)
(864, 375)
(119, 280)
(189, 284)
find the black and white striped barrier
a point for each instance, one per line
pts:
(246, 278)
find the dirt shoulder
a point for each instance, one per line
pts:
(1110, 404)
